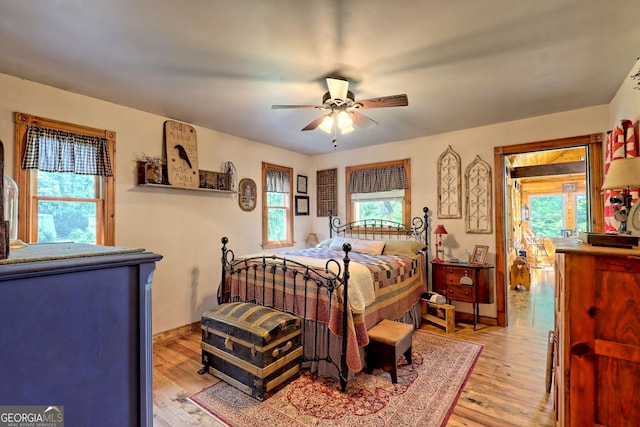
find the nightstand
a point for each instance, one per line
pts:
(464, 282)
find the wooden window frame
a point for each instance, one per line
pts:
(266, 243)
(406, 202)
(25, 179)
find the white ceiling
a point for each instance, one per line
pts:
(222, 64)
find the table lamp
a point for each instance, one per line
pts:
(440, 230)
(622, 174)
(312, 239)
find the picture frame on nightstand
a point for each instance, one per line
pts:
(479, 254)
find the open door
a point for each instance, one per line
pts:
(504, 223)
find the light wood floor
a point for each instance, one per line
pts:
(506, 388)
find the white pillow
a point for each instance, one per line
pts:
(371, 247)
(324, 244)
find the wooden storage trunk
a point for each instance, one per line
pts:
(254, 348)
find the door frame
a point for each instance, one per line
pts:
(594, 176)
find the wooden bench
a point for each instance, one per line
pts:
(388, 340)
(447, 313)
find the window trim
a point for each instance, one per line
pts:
(105, 229)
(406, 203)
(266, 243)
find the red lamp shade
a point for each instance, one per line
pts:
(440, 230)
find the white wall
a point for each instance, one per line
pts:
(468, 143)
(183, 226)
(626, 103)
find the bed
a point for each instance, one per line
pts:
(378, 266)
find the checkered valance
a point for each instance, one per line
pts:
(376, 180)
(52, 150)
(278, 181)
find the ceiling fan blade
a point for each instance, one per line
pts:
(362, 121)
(385, 101)
(314, 124)
(275, 107)
(338, 88)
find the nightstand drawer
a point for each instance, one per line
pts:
(452, 275)
(460, 293)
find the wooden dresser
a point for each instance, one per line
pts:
(597, 363)
(76, 332)
(449, 280)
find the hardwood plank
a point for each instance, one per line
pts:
(506, 388)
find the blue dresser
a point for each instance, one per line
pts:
(75, 331)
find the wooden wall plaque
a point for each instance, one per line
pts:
(181, 153)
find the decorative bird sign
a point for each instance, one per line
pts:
(181, 152)
(183, 155)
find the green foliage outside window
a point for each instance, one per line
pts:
(581, 212)
(277, 214)
(64, 220)
(381, 209)
(547, 215)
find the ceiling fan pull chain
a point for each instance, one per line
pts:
(335, 144)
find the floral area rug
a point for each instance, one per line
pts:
(426, 392)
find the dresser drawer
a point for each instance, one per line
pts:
(453, 275)
(460, 292)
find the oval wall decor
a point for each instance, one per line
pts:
(247, 194)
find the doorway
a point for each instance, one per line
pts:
(506, 219)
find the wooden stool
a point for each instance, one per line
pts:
(388, 340)
(449, 314)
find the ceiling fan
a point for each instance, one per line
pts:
(342, 109)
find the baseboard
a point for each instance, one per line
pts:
(171, 334)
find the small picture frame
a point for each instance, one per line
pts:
(302, 184)
(302, 205)
(479, 254)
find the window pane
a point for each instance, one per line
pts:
(59, 184)
(67, 221)
(277, 224)
(581, 212)
(276, 199)
(547, 215)
(381, 209)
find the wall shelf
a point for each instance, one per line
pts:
(174, 187)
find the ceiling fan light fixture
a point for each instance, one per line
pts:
(347, 129)
(345, 123)
(327, 124)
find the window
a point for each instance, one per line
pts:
(277, 198)
(547, 215)
(65, 182)
(581, 212)
(380, 190)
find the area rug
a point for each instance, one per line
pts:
(425, 395)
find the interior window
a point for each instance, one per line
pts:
(277, 215)
(380, 190)
(65, 182)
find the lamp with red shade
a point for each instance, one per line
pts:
(440, 230)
